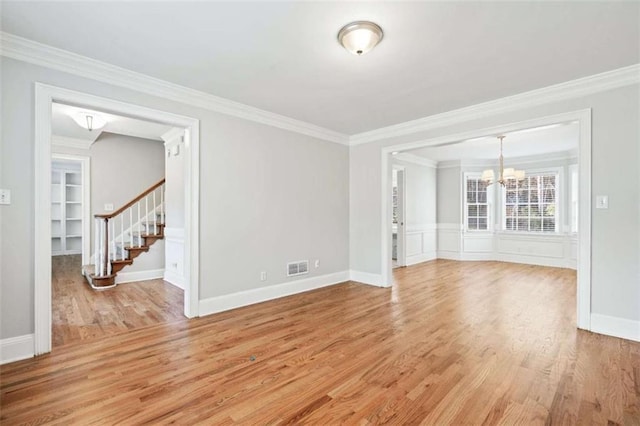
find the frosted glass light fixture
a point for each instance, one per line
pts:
(505, 174)
(360, 37)
(89, 120)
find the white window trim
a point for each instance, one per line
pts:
(560, 213)
(465, 210)
(571, 169)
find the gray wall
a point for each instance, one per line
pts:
(122, 167)
(449, 195)
(615, 172)
(268, 196)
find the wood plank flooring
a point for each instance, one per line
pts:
(79, 313)
(451, 343)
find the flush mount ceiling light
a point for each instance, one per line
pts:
(89, 120)
(504, 174)
(360, 37)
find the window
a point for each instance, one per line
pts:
(530, 205)
(476, 204)
(573, 171)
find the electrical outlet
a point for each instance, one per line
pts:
(263, 276)
(108, 207)
(5, 196)
(317, 263)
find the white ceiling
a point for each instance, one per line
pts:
(283, 56)
(523, 143)
(63, 125)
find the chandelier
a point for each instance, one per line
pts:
(504, 174)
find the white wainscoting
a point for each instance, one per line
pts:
(16, 348)
(449, 241)
(558, 250)
(174, 256)
(421, 244)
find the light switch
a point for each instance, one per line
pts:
(108, 207)
(602, 202)
(5, 196)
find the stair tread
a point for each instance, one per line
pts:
(136, 248)
(104, 277)
(127, 261)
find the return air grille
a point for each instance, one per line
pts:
(297, 268)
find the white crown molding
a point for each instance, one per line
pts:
(65, 142)
(558, 92)
(528, 159)
(173, 137)
(415, 159)
(40, 54)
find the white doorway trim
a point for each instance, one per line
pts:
(584, 190)
(45, 95)
(85, 173)
(401, 242)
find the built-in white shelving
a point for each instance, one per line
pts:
(66, 210)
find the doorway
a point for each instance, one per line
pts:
(70, 205)
(583, 120)
(45, 97)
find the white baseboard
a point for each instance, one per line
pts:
(129, 277)
(174, 278)
(262, 294)
(419, 258)
(535, 260)
(366, 278)
(449, 255)
(502, 257)
(17, 348)
(616, 327)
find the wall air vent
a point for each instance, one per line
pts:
(297, 268)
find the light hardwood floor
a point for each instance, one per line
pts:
(79, 313)
(451, 343)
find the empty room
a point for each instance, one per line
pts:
(320, 212)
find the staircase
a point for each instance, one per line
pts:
(120, 237)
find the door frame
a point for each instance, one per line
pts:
(85, 175)
(402, 216)
(45, 95)
(583, 117)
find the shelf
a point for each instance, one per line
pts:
(66, 209)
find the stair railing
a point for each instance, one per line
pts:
(107, 240)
